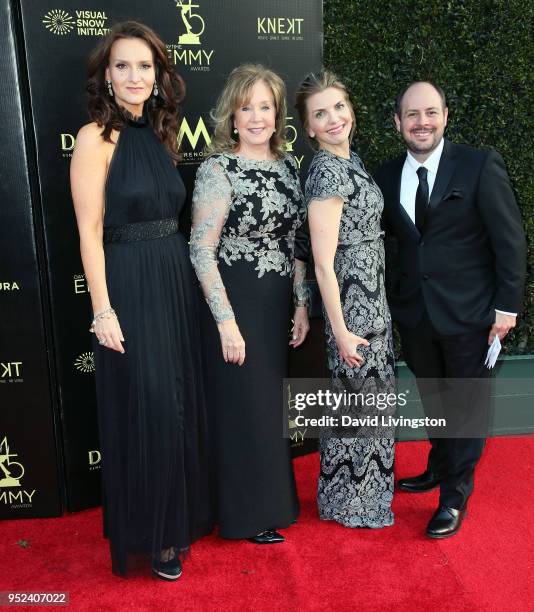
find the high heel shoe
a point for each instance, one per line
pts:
(269, 536)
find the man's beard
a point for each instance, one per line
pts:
(414, 147)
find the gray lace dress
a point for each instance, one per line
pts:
(245, 215)
(355, 485)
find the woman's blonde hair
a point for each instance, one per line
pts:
(237, 92)
(314, 83)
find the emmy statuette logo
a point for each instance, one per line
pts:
(193, 22)
(291, 137)
(58, 22)
(11, 473)
(291, 134)
(188, 51)
(13, 470)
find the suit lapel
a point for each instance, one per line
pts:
(446, 167)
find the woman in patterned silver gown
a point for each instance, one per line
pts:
(247, 205)
(344, 206)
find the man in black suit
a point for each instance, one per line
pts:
(455, 270)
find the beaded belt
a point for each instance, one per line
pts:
(149, 230)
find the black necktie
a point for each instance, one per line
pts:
(421, 199)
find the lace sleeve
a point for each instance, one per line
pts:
(300, 287)
(326, 179)
(301, 257)
(211, 205)
(301, 238)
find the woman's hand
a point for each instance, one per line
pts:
(301, 326)
(232, 343)
(347, 344)
(109, 333)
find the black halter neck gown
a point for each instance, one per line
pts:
(150, 400)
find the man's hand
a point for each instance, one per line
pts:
(503, 324)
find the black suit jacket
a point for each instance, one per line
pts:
(471, 256)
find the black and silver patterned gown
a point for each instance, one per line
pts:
(245, 214)
(355, 485)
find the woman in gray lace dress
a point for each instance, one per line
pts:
(344, 207)
(247, 205)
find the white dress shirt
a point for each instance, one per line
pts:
(410, 183)
(410, 180)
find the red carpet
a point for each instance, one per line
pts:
(487, 566)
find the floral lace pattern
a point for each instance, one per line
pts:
(243, 210)
(300, 288)
(356, 482)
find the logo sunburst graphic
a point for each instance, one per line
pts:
(85, 362)
(58, 22)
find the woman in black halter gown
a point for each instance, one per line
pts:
(128, 195)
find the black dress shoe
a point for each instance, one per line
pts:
(420, 484)
(445, 522)
(269, 536)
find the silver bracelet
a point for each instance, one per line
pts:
(109, 313)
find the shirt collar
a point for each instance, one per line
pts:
(431, 163)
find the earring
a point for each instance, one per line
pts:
(110, 89)
(235, 130)
(156, 90)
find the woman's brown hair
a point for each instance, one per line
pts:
(314, 83)
(162, 111)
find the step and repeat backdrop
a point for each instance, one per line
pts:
(29, 458)
(46, 361)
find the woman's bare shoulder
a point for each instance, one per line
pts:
(90, 135)
(90, 132)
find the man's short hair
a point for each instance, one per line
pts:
(398, 102)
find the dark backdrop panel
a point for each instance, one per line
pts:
(285, 35)
(29, 483)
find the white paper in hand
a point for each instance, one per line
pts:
(493, 353)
